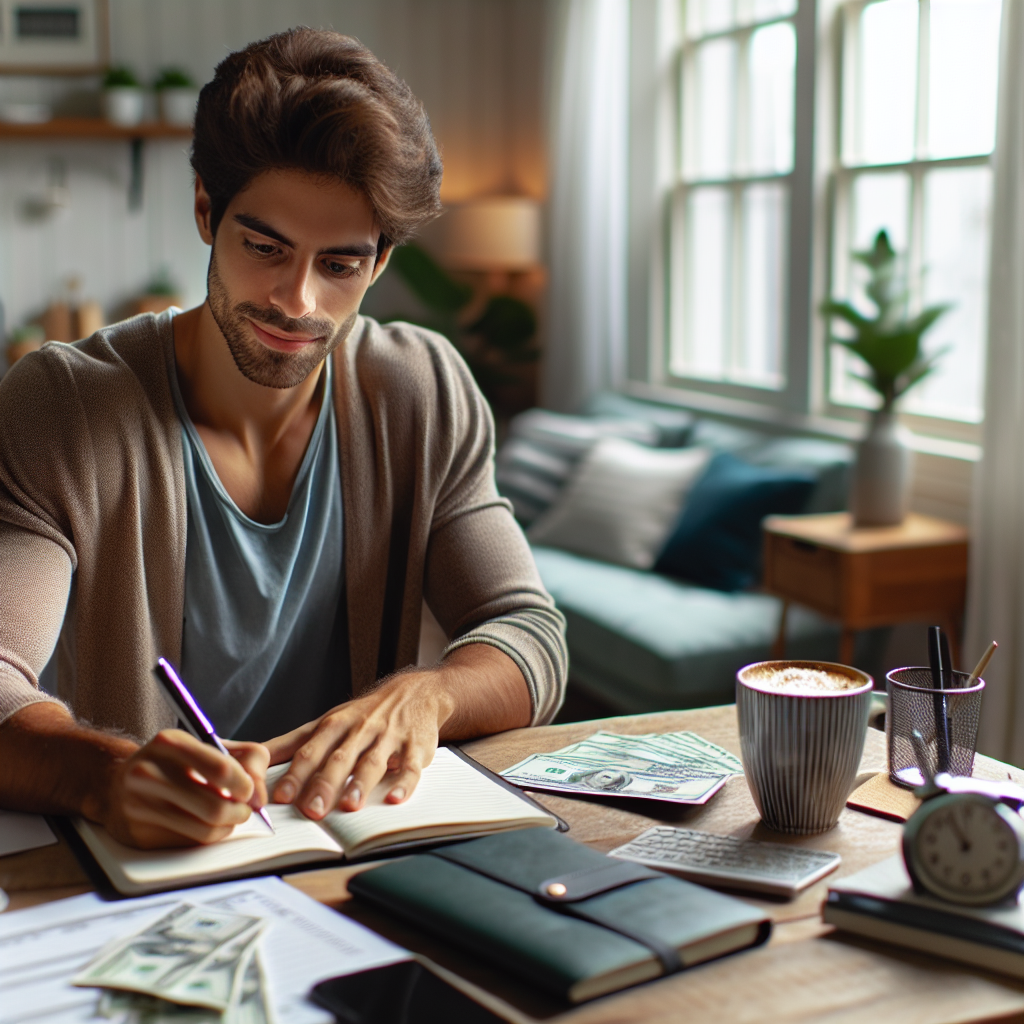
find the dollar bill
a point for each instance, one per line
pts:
(215, 981)
(251, 1004)
(204, 945)
(680, 767)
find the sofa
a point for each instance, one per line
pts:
(641, 640)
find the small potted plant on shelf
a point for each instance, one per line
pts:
(889, 343)
(178, 97)
(123, 98)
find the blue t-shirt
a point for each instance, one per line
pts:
(264, 642)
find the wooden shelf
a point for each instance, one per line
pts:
(92, 128)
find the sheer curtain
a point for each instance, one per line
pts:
(996, 600)
(586, 335)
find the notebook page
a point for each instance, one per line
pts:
(249, 844)
(450, 793)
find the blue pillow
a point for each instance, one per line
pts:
(717, 541)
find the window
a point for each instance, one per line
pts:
(770, 186)
(917, 132)
(731, 201)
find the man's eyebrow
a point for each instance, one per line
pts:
(255, 224)
(350, 250)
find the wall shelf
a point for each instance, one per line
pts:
(99, 128)
(92, 128)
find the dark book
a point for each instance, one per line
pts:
(880, 903)
(611, 924)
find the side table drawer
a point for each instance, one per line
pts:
(803, 572)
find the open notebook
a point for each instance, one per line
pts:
(453, 800)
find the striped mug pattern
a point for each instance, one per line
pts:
(801, 751)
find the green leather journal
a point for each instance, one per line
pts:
(560, 915)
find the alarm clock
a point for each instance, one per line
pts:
(965, 843)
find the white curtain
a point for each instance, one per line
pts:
(588, 104)
(996, 599)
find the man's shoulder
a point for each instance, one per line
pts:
(125, 357)
(401, 346)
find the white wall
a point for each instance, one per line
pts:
(476, 64)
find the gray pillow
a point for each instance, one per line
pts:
(544, 447)
(622, 502)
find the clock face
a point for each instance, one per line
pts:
(966, 848)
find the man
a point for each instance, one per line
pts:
(263, 490)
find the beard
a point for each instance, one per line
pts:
(257, 362)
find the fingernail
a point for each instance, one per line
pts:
(285, 793)
(316, 805)
(398, 793)
(352, 796)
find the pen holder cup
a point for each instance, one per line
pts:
(915, 704)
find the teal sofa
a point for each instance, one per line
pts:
(639, 641)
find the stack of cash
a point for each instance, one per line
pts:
(681, 767)
(196, 965)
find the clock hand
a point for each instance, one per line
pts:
(965, 843)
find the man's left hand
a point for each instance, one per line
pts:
(392, 732)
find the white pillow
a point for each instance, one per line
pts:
(621, 502)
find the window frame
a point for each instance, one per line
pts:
(816, 201)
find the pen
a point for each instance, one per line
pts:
(192, 715)
(935, 660)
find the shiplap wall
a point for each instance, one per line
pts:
(476, 65)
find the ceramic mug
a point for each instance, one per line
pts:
(802, 727)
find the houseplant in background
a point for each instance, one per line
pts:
(178, 97)
(889, 344)
(495, 334)
(123, 98)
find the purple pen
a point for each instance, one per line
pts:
(192, 715)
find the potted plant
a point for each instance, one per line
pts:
(178, 96)
(495, 334)
(889, 344)
(123, 98)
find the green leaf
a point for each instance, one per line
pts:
(428, 281)
(506, 323)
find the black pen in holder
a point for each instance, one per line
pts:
(942, 676)
(912, 704)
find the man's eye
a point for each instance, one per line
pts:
(343, 269)
(261, 248)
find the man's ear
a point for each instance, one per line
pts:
(203, 208)
(382, 263)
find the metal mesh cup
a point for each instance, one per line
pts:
(915, 704)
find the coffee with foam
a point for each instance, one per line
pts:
(800, 680)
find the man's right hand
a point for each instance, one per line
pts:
(173, 791)
(177, 791)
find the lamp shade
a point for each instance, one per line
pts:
(501, 233)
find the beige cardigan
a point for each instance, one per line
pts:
(93, 520)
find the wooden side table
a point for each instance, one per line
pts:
(867, 576)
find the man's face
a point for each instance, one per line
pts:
(291, 262)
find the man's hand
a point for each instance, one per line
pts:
(393, 731)
(176, 791)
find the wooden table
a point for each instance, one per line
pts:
(805, 974)
(867, 576)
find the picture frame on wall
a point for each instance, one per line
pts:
(54, 37)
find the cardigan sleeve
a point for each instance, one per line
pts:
(480, 578)
(35, 579)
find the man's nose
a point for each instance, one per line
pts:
(294, 293)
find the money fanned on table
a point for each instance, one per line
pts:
(680, 767)
(196, 965)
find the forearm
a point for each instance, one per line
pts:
(486, 690)
(49, 764)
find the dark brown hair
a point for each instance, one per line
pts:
(320, 102)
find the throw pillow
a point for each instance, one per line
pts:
(717, 541)
(544, 447)
(621, 502)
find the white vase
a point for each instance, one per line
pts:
(883, 473)
(124, 105)
(178, 105)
